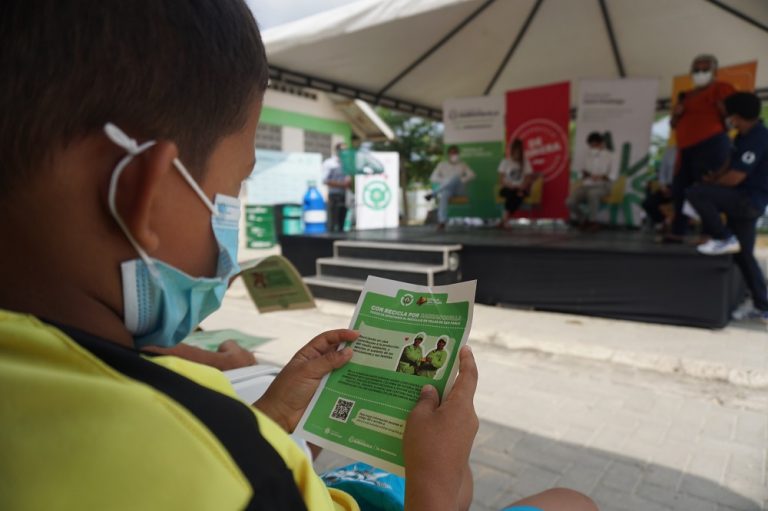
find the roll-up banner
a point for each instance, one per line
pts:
(622, 111)
(539, 116)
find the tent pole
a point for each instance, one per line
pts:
(436, 46)
(739, 14)
(514, 46)
(612, 38)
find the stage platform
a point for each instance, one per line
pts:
(611, 273)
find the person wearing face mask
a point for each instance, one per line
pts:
(129, 140)
(515, 178)
(740, 191)
(598, 171)
(450, 178)
(701, 134)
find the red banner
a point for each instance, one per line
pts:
(539, 116)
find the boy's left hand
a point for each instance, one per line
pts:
(288, 396)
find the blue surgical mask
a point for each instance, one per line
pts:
(162, 304)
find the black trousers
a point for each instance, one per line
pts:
(710, 201)
(512, 200)
(337, 211)
(695, 162)
(652, 203)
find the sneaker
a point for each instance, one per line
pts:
(720, 247)
(743, 310)
(757, 315)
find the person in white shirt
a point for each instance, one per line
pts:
(598, 173)
(338, 183)
(450, 176)
(515, 179)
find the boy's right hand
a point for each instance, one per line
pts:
(437, 442)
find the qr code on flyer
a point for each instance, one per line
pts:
(342, 409)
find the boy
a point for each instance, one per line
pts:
(128, 127)
(741, 192)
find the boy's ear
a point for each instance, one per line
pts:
(141, 185)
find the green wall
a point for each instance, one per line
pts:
(279, 117)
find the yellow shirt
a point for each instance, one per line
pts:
(77, 434)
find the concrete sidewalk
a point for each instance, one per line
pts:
(735, 354)
(640, 417)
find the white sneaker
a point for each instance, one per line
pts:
(720, 247)
(743, 310)
(754, 315)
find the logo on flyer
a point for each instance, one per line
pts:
(406, 300)
(423, 300)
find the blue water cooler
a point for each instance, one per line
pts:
(313, 210)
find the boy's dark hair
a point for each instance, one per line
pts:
(453, 149)
(180, 70)
(595, 138)
(743, 104)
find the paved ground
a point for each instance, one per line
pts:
(640, 417)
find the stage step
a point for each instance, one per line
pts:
(398, 252)
(342, 276)
(329, 288)
(360, 269)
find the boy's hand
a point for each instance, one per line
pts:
(288, 396)
(437, 442)
(234, 356)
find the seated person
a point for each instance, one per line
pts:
(515, 178)
(140, 242)
(658, 193)
(450, 178)
(598, 172)
(741, 192)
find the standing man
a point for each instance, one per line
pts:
(741, 192)
(598, 173)
(411, 356)
(338, 183)
(450, 178)
(702, 139)
(434, 360)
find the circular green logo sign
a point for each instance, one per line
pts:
(406, 300)
(377, 195)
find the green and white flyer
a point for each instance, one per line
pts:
(410, 336)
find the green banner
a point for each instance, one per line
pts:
(480, 200)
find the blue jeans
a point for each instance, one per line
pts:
(444, 192)
(709, 201)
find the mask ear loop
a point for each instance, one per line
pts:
(119, 137)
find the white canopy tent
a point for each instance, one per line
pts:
(414, 54)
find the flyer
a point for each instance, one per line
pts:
(210, 339)
(273, 283)
(410, 336)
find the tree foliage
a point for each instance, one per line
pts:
(419, 142)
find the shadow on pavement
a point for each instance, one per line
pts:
(510, 464)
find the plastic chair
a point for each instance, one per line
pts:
(616, 196)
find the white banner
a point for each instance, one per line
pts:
(281, 178)
(376, 195)
(623, 112)
(478, 119)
